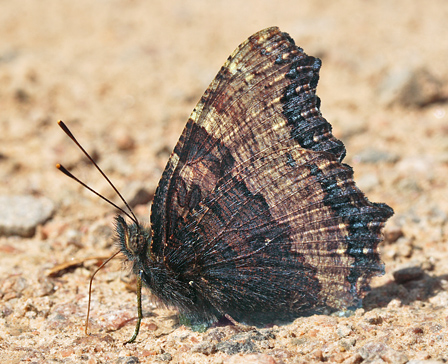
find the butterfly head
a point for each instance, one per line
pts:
(133, 239)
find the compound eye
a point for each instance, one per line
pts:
(135, 239)
(141, 240)
(130, 238)
(131, 242)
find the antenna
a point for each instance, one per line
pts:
(131, 215)
(67, 173)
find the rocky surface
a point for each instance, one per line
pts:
(125, 75)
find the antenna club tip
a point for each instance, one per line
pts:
(58, 166)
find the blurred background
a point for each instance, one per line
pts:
(125, 74)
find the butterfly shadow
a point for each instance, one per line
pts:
(408, 292)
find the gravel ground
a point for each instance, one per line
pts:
(124, 75)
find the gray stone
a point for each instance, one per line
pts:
(164, 357)
(127, 360)
(377, 351)
(20, 215)
(408, 274)
(232, 347)
(206, 348)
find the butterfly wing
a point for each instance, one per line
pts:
(255, 211)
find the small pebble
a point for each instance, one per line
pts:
(395, 357)
(440, 300)
(395, 303)
(204, 347)
(377, 350)
(393, 233)
(231, 347)
(164, 357)
(125, 142)
(373, 318)
(410, 87)
(408, 274)
(344, 330)
(347, 344)
(127, 360)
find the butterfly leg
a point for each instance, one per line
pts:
(139, 307)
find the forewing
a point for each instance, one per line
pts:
(255, 191)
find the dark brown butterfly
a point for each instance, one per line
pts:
(255, 216)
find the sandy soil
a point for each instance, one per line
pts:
(125, 74)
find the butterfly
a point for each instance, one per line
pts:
(256, 217)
